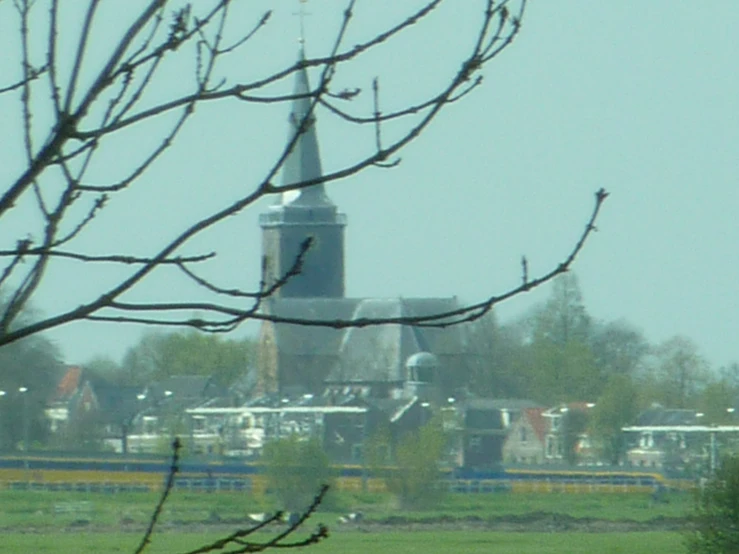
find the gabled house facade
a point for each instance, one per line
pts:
(526, 439)
(539, 436)
(86, 411)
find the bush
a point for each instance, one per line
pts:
(296, 469)
(717, 512)
(415, 480)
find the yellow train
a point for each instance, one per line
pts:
(116, 474)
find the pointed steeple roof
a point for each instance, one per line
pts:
(304, 161)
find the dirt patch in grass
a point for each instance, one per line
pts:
(536, 522)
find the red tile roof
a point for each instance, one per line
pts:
(538, 423)
(69, 383)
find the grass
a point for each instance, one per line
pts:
(610, 506)
(441, 542)
(43, 530)
(40, 509)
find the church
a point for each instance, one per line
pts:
(379, 362)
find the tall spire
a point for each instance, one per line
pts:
(304, 161)
(303, 213)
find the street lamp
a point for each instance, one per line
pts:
(128, 423)
(2, 393)
(425, 406)
(170, 413)
(26, 421)
(365, 437)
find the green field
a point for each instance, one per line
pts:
(444, 542)
(75, 522)
(59, 510)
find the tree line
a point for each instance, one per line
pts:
(559, 353)
(158, 355)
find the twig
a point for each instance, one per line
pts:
(237, 538)
(174, 468)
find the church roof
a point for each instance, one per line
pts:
(303, 163)
(300, 340)
(377, 353)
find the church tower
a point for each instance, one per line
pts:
(299, 214)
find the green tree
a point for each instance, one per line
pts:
(160, 355)
(415, 480)
(495, 353)
(562, 373)
(678, 373)
(614, 409)
(563, 319)
(296, 469)
(33, 364)
(715, 401)
(560, 365)
(105, 368)
(730, 374)
(717, 512)
(618, 348)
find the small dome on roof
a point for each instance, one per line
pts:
(425, 360)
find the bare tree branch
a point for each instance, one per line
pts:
(174, 468)
(238, 538)
(26, 250)
(457, 316)
(112, 98)
(238, 541)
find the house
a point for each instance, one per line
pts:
(511, 409)
(163, 413)
(477, 430)
(539, 436)
(555, 447)
(343, 423)
(526, 439)
(662, 438)
(57, 409)
(370, 436)
(88, 411)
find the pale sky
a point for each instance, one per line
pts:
(641, 98)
